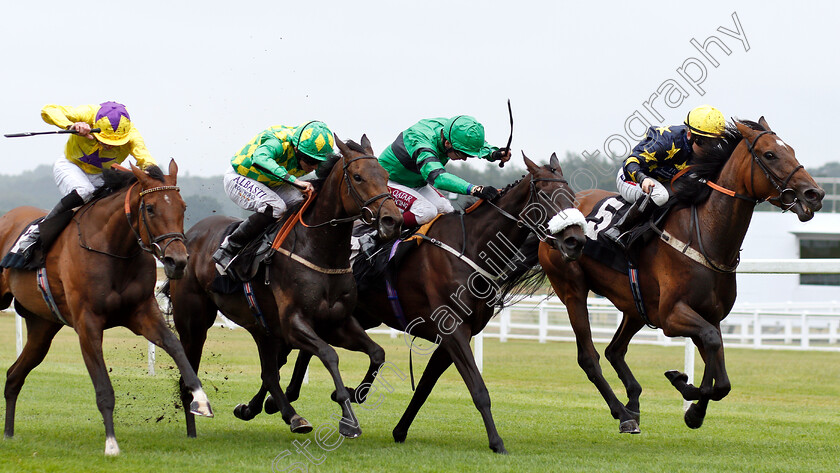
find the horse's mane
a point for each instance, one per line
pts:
(114, 180)
(689, 189)
(326, 167)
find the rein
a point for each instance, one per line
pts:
(363, 204)
(357, 198)
(781, 186)
(544, 235)
(154, 248)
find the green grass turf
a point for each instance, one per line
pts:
(783, 414)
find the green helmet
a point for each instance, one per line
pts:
(465, 134)
(314, 139)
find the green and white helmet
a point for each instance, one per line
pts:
(315, 140)
(466, 135)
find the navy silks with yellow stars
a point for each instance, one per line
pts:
(663, 152)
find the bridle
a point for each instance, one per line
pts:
(366, 214)
(781, 185)
(541, 231)
(154, 246)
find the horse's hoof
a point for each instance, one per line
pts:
(200, 406)
(629, 427)
(111, 447)
(348, 431)
(243, 412)
(636, 416)
(399, 435)
(299, 425)
(500, 449)
(271, 405)
(675, 376)
(694, 417)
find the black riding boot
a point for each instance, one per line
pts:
(249, 229)
(640, 210)
(58, 218)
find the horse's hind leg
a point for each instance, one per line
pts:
(438, 363)
(353, 337)
(39, 336)
(89, 328)
(588, 360)
(148, 322)
(458, 346)
(293, 389)
(193, 314)
(305, 338)
(615, 353)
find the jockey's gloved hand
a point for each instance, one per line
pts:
(485, 192)
(497, 155)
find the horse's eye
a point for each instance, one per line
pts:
(769, 156)
(150, 209)
(357, 178)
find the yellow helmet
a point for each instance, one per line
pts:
(706, 120)
(112, 118)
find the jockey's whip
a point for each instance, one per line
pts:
(510, 138)
(56, 132)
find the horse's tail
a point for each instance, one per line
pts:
(526, 278)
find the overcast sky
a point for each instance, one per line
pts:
(200, 79)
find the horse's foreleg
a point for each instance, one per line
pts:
(438, 363)
(684, 321)
(305, 338)
(39, 336)
(254, 406)
(270, 374)
(615, 353)
(458, 346)
(89, 328)
(148, 322)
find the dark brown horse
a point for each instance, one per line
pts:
(312, 292)
(100, 277)
(448, 299)
(687, 295)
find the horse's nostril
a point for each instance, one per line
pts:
(814, 195)
(389, 222)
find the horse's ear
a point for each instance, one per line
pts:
(366, 145)
(763, 122)
(173, 170)
(141, 176)
(341, 146)
(555, 163)
(746, 131)
(532, 168)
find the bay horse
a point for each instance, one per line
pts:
(447, 297)
(686, 292)
(101, 274)
(311, 294)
